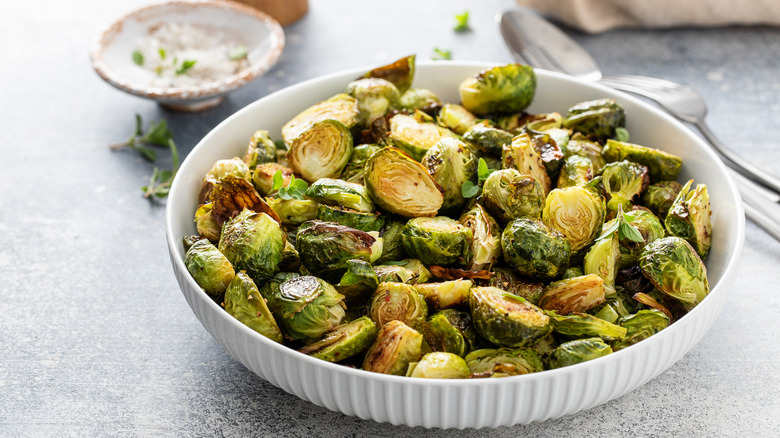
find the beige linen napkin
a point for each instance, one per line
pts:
(595, 16)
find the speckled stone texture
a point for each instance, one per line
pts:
(97, 340)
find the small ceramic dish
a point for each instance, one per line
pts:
(259, 35)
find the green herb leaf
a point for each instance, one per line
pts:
(439, 54)
(483, 171)
(158, 134)
(280, 145)
(148, 153)
(621, 134)
(462, 22)
(138, 58)
(469, 189)
(161, 51)
(185, 66)
(238, 52)
(277, 181)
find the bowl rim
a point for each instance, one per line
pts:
(731, 264)
(256, 69)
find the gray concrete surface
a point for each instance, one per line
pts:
(95, 337)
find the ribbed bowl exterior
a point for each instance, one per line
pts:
(470, 403)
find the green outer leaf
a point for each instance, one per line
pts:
(244, 302)
(344, 341)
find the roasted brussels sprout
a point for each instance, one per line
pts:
(504, 89)
(597, 117)
(571, 272)
(375, 97)
(450, 331)
(325, 247)
(535, 250)
(579, 145)
(543, 122)
(641, 326)
(415, 134)
(350, 218)
(400, 73)
(339, 192)
(674, 267)
(445, 294)
(342, 108)
(392, 245)
(456, 118)
(689, 217)
(437, 240)
(244, 302)
(623, 181)
(582, 325)
(294, 211)
(231, 194)
(396, 274)
(395, 347)
(602, 259)
(487, 139)
(576, 212)
(660, 196)
(451, 163)
(397, 301)
(234, 167)
(261, 149)
(253, 242)
(322, 151)
(578, 351)
(439, 365)
(401, 185)
(649, 227)
(576, 171)
(486, 238)
(503, 362)
(263, 177)
(573, 295)
(355, 167)
(307, 307)
(291, 260)
(508, 194)
(506, 319)
(358, 283)
(612, 309)
(661, 166)
(506, 279)
(549, 151)
(344, 341)
(420, 99)
(206, 224)
(521, 155)
(209, 267)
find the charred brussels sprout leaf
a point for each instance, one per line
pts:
(397, 301)
(326, 248)
(503, 362)
(662, 166)
(439, 365)
(341, 107)
(582, 325)
(375, 97)
(506, 319)
(598, 117)
(487, 139)
(660, 196)
(578, 351)
(244, 302)
(339, 192)
(641, 326)
(231, 195)
(415, 134)
(508, 280)
(234, 167)
(549, 151)
(451, 163)
(351, 218)
(401, 185)
(535, 250)
(456, 118)
(503, 89)
(486, 238)
(261, 149)
(577, 213)
(572, 295)
(210, 269)
(445, 294)
(674, 267)
(449, 331)
(396, 346)
(322, 151)
(294, 211)
(689, 217)
(507, 194)
(420, 99)
(253, 242)
(307, 307)
(344, 341)
(400, 73)
(437, 241)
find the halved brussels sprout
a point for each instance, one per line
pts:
(504, 89)
(415, 134)
(623, 181)
(209, 267)
(253, 242)
(508, 194)
(576, 171)
(420, 272)
(341, 107)
(641, 326)
(508, 280)
(456, 118)
(354, 170)
(660, 196)
(439, 365)
(325, 247)
(294, 211)
(322, 151)
(674, 267)
(206, 224)
(506, 319)
(344, 341)
(401, 185)
(263, 177)
(222, 168)
(576, 212)
(648, 225)
(392, 245)
(579, 145)
(358, 283)
(397, 301)
(420, 99)
(503, 362)
(451, 163)
(602, 259)
(231, 194)
(395, 347)
(308, 307)
(689, 217)
(598, 117)
(486, 240)
(244, 302)
(450, 331)
(573, 295)
(400, 73)
(521, 155)
(445, 294)
(261, 149)
(437, 240)
(661, 166)
(375, 97)
(535, 250)
(350, 218)
(270, 289)
(578, 351)
(339, 192)
(396, 274)
(582, 325)
(487, 139)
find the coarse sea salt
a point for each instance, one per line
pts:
(166, 49)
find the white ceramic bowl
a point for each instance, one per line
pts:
(477, 402)
(111, 53)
